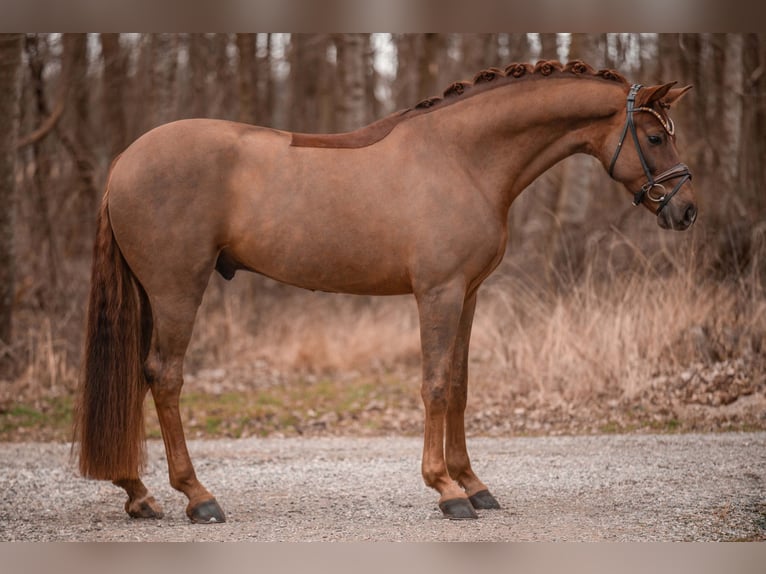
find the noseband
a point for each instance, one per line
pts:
(678, 170)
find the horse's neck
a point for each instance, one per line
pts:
(511, 135)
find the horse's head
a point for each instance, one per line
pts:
(645, 158)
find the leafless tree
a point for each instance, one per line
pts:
(351, 103)
(312, 85)
(164, 63)
(10, 83)
(246, 73)
(113, 92)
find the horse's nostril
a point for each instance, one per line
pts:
(691, 214)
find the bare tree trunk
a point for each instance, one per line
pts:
(43, 242)
(518, 48)
(573, 193)
(374, 106)
(536, 215)
(308, 70)
(351, 104)
(711, 98)
(75, 137)
(479, 51)
(405, 87)
(420, 65)
(246, 77)
(688, 59)
(10, 89)
(622, 46)
(548, 47)
(518, 51)
(225, 95)
(113, 92)
(164, 58)
(199, 64)
(585, 47)
(76, 59)
(733, 85)
(670, 56)
(692, 71)
(431, 62)
(300, 93)
(266, 85)
(753, 179)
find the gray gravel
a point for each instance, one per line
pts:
(586, 488)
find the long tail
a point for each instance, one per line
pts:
(109, 418)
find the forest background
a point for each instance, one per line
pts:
(596, 321)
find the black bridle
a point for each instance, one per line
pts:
(678, 170)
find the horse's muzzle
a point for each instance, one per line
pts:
(677, 215)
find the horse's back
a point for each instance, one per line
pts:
(175, 154)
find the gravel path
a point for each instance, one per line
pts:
(585, 488)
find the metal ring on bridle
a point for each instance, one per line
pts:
(649, 195)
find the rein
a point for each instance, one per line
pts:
(679, 170)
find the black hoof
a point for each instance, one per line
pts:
(458, 509)
(484, 500)
(207, 512)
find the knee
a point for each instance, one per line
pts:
(435, 397)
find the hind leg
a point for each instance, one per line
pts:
(173, 323)
(140, 503)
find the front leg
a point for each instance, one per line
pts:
(440, 309)
(458, 463)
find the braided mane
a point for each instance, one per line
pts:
(495, 77)
(485, 80)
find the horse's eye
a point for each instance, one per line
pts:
(655, 140)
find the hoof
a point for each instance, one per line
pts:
(458, 509)
(207, 512)
(146, 508)
(484, 500)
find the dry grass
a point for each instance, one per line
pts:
(49, 367)
(617, 335)
(305, 332)
(587, 336)
(596, 339)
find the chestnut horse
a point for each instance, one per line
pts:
(414, 203)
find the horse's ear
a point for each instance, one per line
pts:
(652, 94)
(674, 95)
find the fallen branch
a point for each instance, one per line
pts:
(45, 128)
